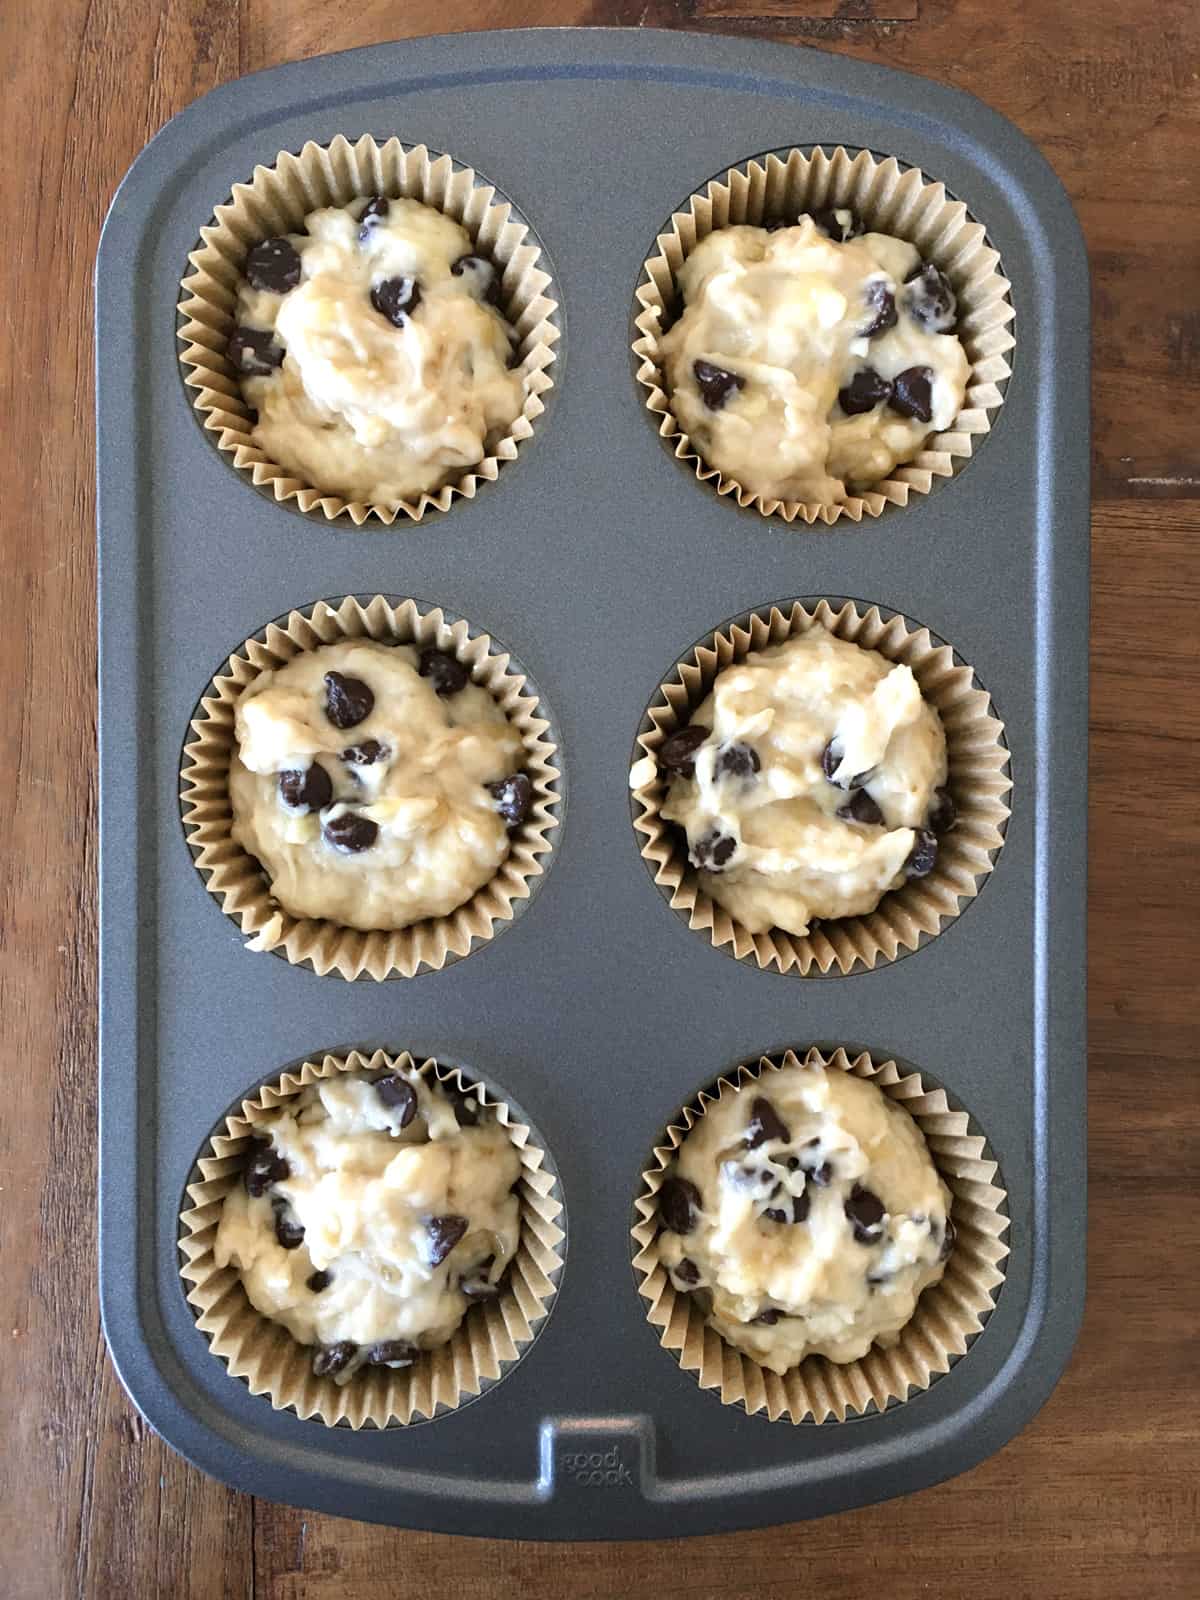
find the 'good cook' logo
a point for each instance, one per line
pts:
(596, 1469)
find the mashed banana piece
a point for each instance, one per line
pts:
(383, 820)
(812, 792)
(367, 347)
(371, 1219)
(814, 1220)
(785, 337)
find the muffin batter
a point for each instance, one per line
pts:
(369, 349)
(375, 784)
(808, 783)
(369, 1219)
(808, 362)
(806, 1214)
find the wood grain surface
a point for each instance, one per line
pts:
(1099, 1497)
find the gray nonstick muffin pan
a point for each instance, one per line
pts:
(599, 560)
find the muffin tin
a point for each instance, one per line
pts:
(598, 559)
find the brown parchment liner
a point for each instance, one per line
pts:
(489, 1341)
(237, 880)
(948, 1316)
(977, 760)
(276, 200)
(891, 199)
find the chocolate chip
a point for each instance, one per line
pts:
(713, 850)
(881, 308)
(865, 1212)
(478, 1286)
(350, 832)
(831, 760)
(396, 299)
(446, 672)
(371, 215)
(318, 1281)
(287, 1230)
(348, 701)
(943, 813)
(686, 1271)
(922, 857)
(793, 1164)
(396, 1091)
(765, 1123)
(444, 1233)
(929, 299)
(864, 392)
(767, 1318)
(484, 275)
(948, 1241)
(839, 228)
(822, 1175)
(305, 790)
(365, 754)
(273, 265)
(253, 352)
(677, 751)
(861, 808)
(715, 384)
(800, 1205)
(777, 223)
(392, 1352)
(465, 1114)
(331, 1359)
(513, 797)
(679, 1205)
(264, 1166)
(912, 394)
(737, 761)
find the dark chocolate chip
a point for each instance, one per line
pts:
(348, 701)
(929, 299)
(686, 1271)
(273, 265)
(679, 1205)
(765, 1123)
(253, 352)
(481, 271)
(465, 1114)
(881, 308)
(287, 1230)
(444, 1234)
(799, 1211)
(865, 1212)
(821, 1175)
(777, 223)
(350, 832)
(392, 1352)
(948, 1241)
(306, 790)
(446, 671)
(793, 1164)
(513, 797)
(831, 760)
(396, 1091)
(713, 850)
(264, 1166)
(478, 1286)
(677, 751)
(396, 299)
(828, 221)
(737, 761)
(768, 1318)
(922, 857)
(371, 215)
(943, 813)
(715, 384)
(861, 808)
(864, 392)
(912, 394)
(331, 1359)
(365, 754)
(318, 1281)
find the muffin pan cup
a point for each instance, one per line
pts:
(599, 559)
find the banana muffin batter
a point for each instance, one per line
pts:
(809, 783)
(375, 1208)
(376, 784)
(371, 348)
(810, 360)
(805, 1213)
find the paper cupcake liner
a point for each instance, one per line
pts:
(905, 918)
(949, 1314)
(890, 199)
(491, 1339)
(276, 200)
(236, 879)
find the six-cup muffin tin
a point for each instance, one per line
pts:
(598, 560)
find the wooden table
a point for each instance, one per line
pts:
(1099, 1497)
